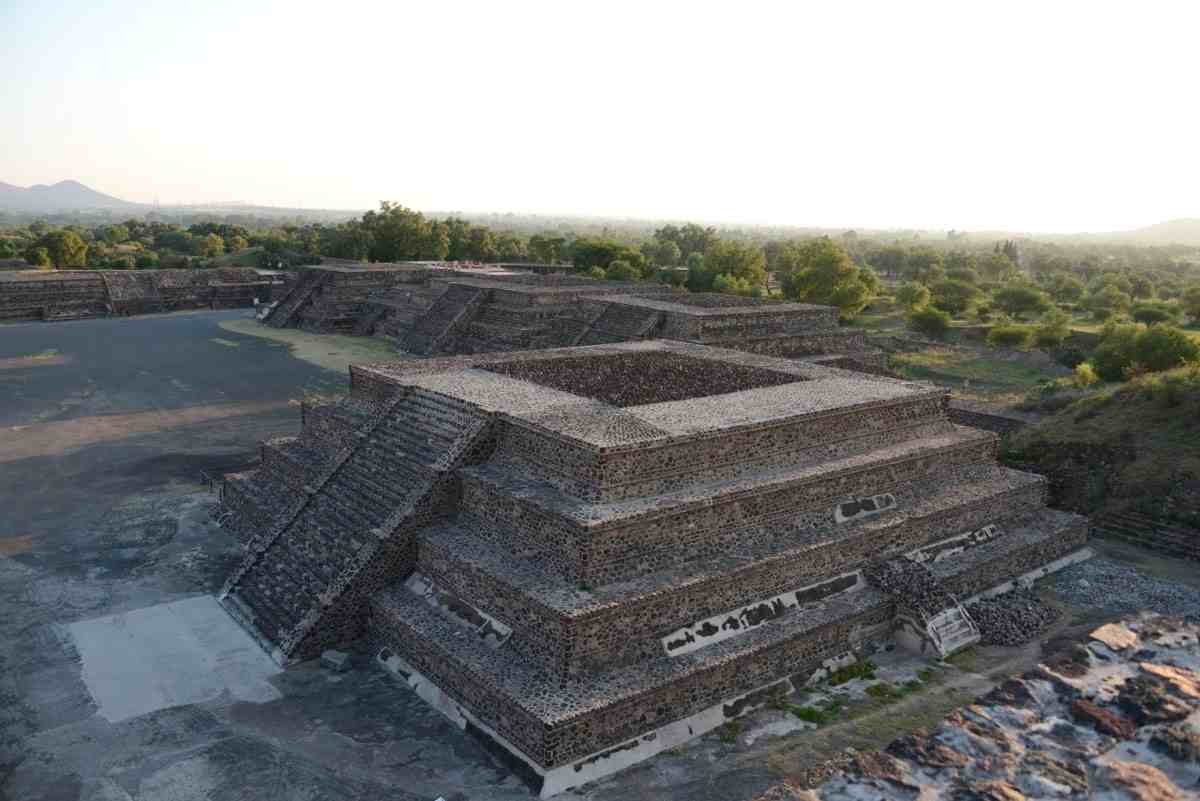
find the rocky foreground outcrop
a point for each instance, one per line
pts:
(1116, 718)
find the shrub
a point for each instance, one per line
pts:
(1161, 347)
(954, 296)
(621, 270)
(1069, 357)
(913, 295)
(864, 669)
(1018, 299)
(1116, 351)
(1009, 336)
(930, 321)
(596, 272)
(1052, 330)
(1150, 313)
(1084, 375)
(732, 285)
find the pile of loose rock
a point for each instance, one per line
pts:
(1014, 618)
(911, 585)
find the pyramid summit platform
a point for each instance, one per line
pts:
(588, 555)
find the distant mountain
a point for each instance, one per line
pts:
(62, 196)
(1172, 232)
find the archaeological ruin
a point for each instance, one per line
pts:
(627, 533)
(432, 310)
(71, 294)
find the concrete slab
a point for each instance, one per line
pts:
(171, 654)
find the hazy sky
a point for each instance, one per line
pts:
(1027, 116)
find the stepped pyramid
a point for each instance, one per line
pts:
(589, 555)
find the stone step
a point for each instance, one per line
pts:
(282, 589)
(1042, 538)
(599, 542)
(554, 723)
(572, 627)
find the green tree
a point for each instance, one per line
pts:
(964, 274)
(1020, 299)
(38, 256)
(667, 253)
(1066, 289)
(509, 247)
(891, 260)
(1116, 351)
(400, 234)
(924, 264)
(236, 244)
(1053, 329)
(930, 321)
(1190, 301)
(726, 257)
(913, 295)
(998, 267)
(211, 246)
(622, 270)
(547, 248)
(1162, 347)
(114, 234)
(66, 249)
(1016, 337)
(824, 273)
(482, 245)
(1154, 312)
(1106, 302)
(689, 238)
(954, 297)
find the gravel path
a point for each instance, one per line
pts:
(1101, 583)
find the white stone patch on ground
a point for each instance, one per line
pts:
(183, 652)
(774, 724)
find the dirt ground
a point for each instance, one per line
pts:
(107, 430)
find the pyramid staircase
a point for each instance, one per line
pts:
(282, 313)
(453, 308)
(352, 526)
(620, 323)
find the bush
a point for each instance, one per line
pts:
(954, 296)
(597, 273)
(731, 285)
(1052, 330)
(1115, 351)
(1150, 313)
(1069, 357)
(1128, 351)
(1009, 336)
(913, 295)
(1161, 347)
(930, 321)
(621, 270)
(1084, 375)
(1017, 299)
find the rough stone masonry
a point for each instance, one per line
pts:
(591, 554)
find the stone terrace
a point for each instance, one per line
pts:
(430, 310)
(69, 294)
(626, 545)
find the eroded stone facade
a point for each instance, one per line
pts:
(576, 578)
